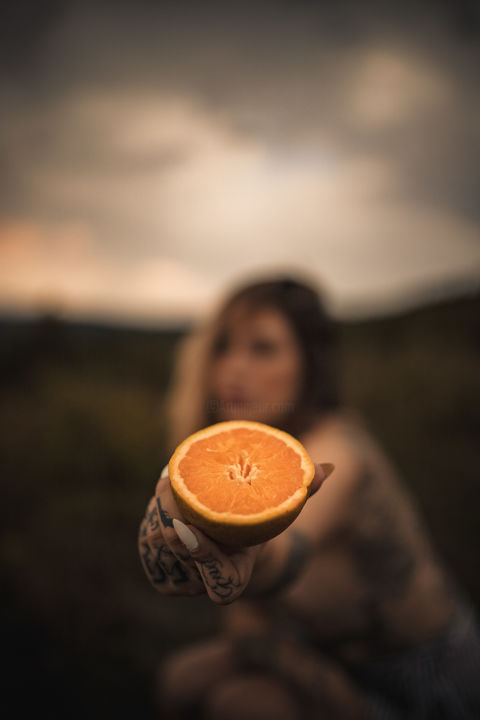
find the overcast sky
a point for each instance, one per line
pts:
(154, 153)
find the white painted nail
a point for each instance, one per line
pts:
(164, 472)
(186, 535)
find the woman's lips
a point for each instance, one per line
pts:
(235, 399)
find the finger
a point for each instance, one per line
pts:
(168, 574)
(225, 576)
(322, 471)
(163, 481)
(164, 558)
(167, 510)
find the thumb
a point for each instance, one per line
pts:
(322, 471)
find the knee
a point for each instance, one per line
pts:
(256, 697)
(172, 674)
(179, 679)
(184, 677)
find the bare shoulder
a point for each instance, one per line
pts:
(343, 439)
(338, 440)
(348, 439)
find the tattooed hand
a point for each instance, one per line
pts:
(165, 560)
(181, 560)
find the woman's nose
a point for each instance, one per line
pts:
(237, 364)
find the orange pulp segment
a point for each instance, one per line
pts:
(241, 482)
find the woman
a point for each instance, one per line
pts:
(346, 614)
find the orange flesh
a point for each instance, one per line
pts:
(226, 477)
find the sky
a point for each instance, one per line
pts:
(155, 153)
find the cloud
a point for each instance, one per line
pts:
(389, 89)
(56, 267)
(199, 146)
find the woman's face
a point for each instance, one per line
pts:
(256, 369)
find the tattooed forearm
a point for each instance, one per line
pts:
(298, 553)
(212, 573)
(381, 550)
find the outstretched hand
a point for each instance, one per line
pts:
(179, 559)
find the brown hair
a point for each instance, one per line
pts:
(188, 405)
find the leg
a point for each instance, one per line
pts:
(256, 697)
(186, 676)
(305, 683)
(210, 678)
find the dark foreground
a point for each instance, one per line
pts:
(83, 441)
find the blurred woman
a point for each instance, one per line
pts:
(349, 612)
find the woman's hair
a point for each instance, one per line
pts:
(189, 408)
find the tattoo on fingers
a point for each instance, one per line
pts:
(166, 518)
(152, 520)
(143, 528)
(212, 572)
(161, 565)
(154, 515)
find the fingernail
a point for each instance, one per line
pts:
(164, 472)
(327, 468)
(186, 535)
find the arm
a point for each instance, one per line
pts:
(279, 563)
(180, 559)
(325, 516)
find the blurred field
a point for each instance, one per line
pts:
(82, 444)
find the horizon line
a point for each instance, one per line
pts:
(353, 311)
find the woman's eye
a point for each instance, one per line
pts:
(220, 345)
(263, 347)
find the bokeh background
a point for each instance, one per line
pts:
(152, 155)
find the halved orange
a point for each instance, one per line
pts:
(241, 482)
